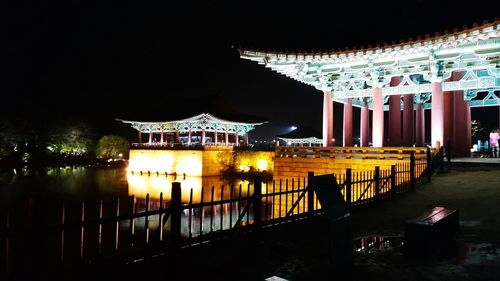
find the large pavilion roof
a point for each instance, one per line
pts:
(353, 73)
(204, 121)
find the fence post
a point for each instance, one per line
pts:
(175, 221)
(429, 164)
(348, 183)
(257, 201)
(310, 195)
(412, 171)
(393, 181)
(376, 178)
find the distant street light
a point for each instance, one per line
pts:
(293, 128)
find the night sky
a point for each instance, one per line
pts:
(96, 62)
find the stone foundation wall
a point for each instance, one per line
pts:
(298, 167)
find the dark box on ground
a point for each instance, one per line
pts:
(434, 232)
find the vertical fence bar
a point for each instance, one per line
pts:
(82, 232)
(99, 249)
(221, 208)
(273, 200)
(304, 189)
(348, 186)
(231, 206)
(212, 209)
(393, 181)
(117, 225)
(239, 201)
(201, 211)
(293, 195)
(146, 218)
(257, 201)
(132, 220)
(412, 171)
(279, 210)
(310, 194)
(62, 233)
(160, 218)
(429, 164)
(248, 204)
(190, 219)
(376, 178)
(175, 213)
(286, 197)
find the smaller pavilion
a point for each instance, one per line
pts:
(199, 130)
(302, 136)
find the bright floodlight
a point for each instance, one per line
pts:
(293, 128)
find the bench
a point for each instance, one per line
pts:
(433, 232)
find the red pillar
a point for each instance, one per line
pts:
(246, 138)
(420, 126)
(227, 138)
(408, 127)
(378, 118)
(215, 137)
(150, 137)
(189, 137)
(327, 119)
(449, 112)
(161, 137)
(395, 115)
(395, 120)
(202, 136)
(462, 119)
(365, 119)
(139, 135)
(176, 136)
(348, 123)
(437, 115)
(236, 139)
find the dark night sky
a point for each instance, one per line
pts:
(67, 59)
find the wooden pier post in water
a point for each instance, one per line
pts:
(175, 221)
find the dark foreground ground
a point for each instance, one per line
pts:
(300, 251)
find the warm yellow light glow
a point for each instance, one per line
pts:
(244, 167)
(166, 161)
(262, 165)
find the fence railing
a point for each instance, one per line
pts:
(70, 234)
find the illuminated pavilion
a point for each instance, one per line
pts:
(446, 74)
(202, 129)
(301, 136)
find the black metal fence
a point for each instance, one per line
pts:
(64, 235)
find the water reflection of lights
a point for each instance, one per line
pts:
(377, 243)
(141, 185)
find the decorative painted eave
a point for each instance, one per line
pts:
(353, 74)
(204, 121)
